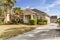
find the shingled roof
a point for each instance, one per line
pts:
(36, 11)
(40, 12)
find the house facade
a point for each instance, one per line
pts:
(53, 19)
(33, 14)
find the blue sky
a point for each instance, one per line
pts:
(52, 7)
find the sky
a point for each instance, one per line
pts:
(51, 7)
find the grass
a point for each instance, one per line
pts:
(8, 33)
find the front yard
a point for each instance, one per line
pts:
(14, 30)
(7, 31)
(14, 27)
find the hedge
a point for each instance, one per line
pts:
(42, 22)
(32, 22)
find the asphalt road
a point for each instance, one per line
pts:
(40, 34)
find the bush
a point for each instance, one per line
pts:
(59, 22)
(1, 23)
(45, 21)
(32, 22)
(42, 22)
(21, 21)
(8, 23)
(13, 21)
(39, 20)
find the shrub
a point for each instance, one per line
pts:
(42, 22)
(13, 21)
(45, 21)
(59, 22)
(1, 23)
(39, 20)
(20, 21)
(32, 22)
(8, 23)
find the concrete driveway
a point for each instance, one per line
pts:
(47, 32)
(49, 26)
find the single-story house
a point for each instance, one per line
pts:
(33, 14)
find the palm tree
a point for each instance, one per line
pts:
(0, 12)
(0, 7)
(8, 4)
(17, 12)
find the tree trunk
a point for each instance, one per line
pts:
(7, 16)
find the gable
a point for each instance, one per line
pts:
(40, 12)
(28, 12)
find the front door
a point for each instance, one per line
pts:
(27, 18)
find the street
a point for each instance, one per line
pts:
(48, 32)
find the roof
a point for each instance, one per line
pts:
(28, 11)
(36, 11)
(40, 12)
(53, 17)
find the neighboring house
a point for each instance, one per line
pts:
(33, 14)
(53, 19)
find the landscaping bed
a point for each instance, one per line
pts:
(11, 32)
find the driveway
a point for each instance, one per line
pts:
(47, 32)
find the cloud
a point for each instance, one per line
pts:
(27, 6)
(57, 2)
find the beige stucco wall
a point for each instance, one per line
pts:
(26, 19)
(47, 18)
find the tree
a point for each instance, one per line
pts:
(17, 12)
(0, 7)
(8, 4)
(0, 11)
(0, 3)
